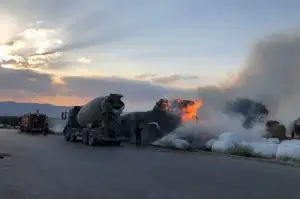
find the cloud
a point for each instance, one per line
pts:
(108, 37)
(84, 60)
(23, 80)
(131, 89)
(172, 78)
(34, 48)
(28, 84)
(27, 49)
(165, 79)
(144, 76)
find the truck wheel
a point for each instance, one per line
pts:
(67, 135)
(117, 143)
(85, 138)
(92, 139)
(72, 137)
(21, 129)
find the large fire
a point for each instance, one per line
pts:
(189, 112)
(186, 108)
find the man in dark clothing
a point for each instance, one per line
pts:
(296, 128)
(138, 135)
(46, 129)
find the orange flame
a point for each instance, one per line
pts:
(189, 112)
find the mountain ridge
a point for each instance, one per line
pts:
(11, 108)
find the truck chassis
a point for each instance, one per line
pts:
(91, 137)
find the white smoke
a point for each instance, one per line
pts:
(270, 75)
(197, 134)
(56, 125)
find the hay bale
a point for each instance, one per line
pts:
(271, 123)
(278, 131)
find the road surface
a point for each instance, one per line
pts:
(49, 168)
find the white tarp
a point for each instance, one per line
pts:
(259, 146)
(221, 146)
(180, 144)
(289, 149)
(263, 149)
(267, 148)
(209, 144)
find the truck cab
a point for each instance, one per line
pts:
(34, 123)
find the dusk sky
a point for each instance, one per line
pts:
(65, 52)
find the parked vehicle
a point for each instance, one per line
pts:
(96, 122)
(34, 123)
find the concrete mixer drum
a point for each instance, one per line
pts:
(97, 121)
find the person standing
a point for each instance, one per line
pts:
(65, 116)
(46, 129)
(296, 129)
(138, 135)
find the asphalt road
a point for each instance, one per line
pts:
(49, 168)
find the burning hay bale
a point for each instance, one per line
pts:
(276, 130)
(251, 110)
(167, 114)
(271, 123)
(294, 127)
(167, 122)
(187, 109)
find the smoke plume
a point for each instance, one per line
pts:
(270, 75)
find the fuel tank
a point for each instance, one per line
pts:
(92, 112)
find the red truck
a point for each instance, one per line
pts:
(34, 123)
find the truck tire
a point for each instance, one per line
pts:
(85, 138)
(67, 137)
(92, 140)
(21, 129)
(117, 143)
(67, 134)
(73, 136)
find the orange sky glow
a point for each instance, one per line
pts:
(56, 100)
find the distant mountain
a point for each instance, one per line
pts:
(16, 109)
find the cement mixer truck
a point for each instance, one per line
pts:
(96, 122)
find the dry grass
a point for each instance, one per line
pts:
(289, 159)
(246, 152)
